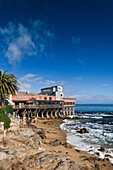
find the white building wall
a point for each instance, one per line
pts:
(59, 95)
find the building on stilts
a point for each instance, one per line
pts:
(49, 103)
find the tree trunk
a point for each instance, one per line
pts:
(3, 101)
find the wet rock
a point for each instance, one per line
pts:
(102, 149)
(77, 150)
(97, 153)
(107, 155)
(83, 130)
(106, 159)
(90, 150)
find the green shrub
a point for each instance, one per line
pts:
(4, 118)
(9, 109)
(2, 110)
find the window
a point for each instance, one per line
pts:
(45, 98)
(50, 98)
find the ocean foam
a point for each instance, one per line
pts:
(92, 141)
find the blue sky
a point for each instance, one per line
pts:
(59, 42)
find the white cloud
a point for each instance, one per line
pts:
(13, 53)
(32, 82)
(24, 86)
(27, 77)
(37, 79)
(28, 81)
(30, 78)
(48, 82)
(61, 82)
(19, 41)
(52, 82)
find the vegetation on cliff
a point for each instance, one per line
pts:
(4, 118)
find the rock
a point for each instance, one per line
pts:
(27, 133)
(3, 155)
(106, 159)
(102, 149)
(55, 142)
(62, 165)
(107, 155)
(83, 130)
(100, 155)
(40, 160)
(67, 145)
(39, 131)
(1, 126)
(77, 150)
(97, 153)
(97, 167)
(18, 165)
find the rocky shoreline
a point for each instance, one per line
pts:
(43, 146)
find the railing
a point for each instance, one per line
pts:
(69, 105)
(36, 106)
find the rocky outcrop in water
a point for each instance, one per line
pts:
(102, 149)
(83, 130)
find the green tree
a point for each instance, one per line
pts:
(8, 85)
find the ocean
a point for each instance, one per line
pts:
(98, 120)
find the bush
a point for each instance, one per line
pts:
(9, 109)
(4, 118)
(2, 110)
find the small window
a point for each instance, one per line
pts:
(50, 98)
(45, 98)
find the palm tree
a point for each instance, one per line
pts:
(8, 85)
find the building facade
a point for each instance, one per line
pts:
(48, 103)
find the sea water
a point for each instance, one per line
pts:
(98, 119)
